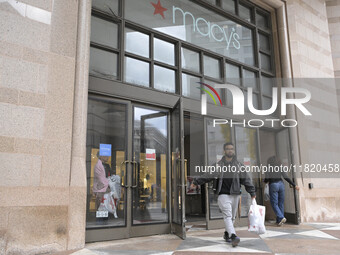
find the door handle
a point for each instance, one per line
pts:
(123, 179)
(135, 173)
(135, 164)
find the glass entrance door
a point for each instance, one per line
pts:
(150, 150)
(177, 173)
(127, 170)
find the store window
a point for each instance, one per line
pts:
(105, 150)
(192, 23)
(104, 32)
(228, 5)
(164, 51)
(190, 60)
(262, 20)
(103, 63)
(109, 6)
(189, 86)
(233, 75)
(245, 12)
(142, 47)
(104, 48)
(164, 79)
(212, 67)
(137, 72)
(177, 45)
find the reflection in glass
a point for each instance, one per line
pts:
(246, 151)
(264, 42)
(104, 32)
(190, 60)
(136, 72)
(164, 79)
(212, 67)
(106, 124)
(229, 98)
(189, 86)
(262, 20)
(249, 79)
(232, 73)
(164, 51)
(103, 63)
(267, 103)
(267, 85)
(244, 12)
(150, 143)
(265, 62)
(136, 42)
(108, 6)
(229, 5)
(216, 137)
(255, 101)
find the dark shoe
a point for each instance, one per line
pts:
(235, 240)
(226, 237)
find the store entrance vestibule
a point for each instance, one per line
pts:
(253, 146)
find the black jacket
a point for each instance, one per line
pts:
(238, 177)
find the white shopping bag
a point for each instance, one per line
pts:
(266, 192)
(256, 218)
(108, 204)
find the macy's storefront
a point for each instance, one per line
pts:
(150, 63)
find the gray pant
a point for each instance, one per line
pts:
(228, 205)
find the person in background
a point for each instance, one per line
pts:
(277, 188)
(229, 190)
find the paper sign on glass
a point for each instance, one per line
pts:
(105, 149)
(150, 154)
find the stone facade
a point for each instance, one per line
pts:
(42, 194)
(333, 15)
(313, 56)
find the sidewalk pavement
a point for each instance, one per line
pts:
(307, 238)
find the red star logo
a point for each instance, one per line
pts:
(159, 9)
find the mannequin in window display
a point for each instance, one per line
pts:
(100, 182)
(106, 186)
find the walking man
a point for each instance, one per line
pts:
(229, 190)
